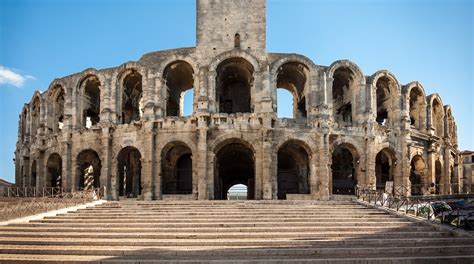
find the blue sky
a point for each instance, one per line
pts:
(426, 40)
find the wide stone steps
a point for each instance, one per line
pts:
(230, 232)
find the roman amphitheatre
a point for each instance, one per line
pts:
(161, 179)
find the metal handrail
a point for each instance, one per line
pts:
(430, 207)
(17, 207)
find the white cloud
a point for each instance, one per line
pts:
(9, 76)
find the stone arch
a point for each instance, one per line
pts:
(234, 164)
(54, 171)
(130, 95)
(129, 169)
(416, 104)
(234, 84)
(294, 77)
(345, 168)
(346, 64)
(88, 169)
(233, 137)
(176, 168)
(178, 77)
(24, 124)
(293, 169)
(56, 107)
(89, 94)
(387, 90)
(417, 175)
(385, 163)
(346, 80)
(234, 54)
(35, 114)
(437, 114)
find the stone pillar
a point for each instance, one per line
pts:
(200, 162)
(258, 173)
(40, 170)
(370, 177)
(158, 172)
(147, 161)
(267, 162)
(106, 161)
(430, 173)
(210, 174)
(315, 183)
(323, 168)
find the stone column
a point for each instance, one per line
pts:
(201, 164)
(147, 161)
(106, 161)
(210, 174)
(323, 168)
(267, 163)
(258, 172)
(370, 177)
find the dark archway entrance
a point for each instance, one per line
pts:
(417, 171)
(177, 169)
(54, 165)
(344, 175)
(88, 166)
(234, 82)
(129, 172)
(439, 185)
(293, 170)
(33, 174)
(235, 164)
(383, 168)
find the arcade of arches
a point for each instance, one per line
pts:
(131, 129)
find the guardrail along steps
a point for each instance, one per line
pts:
(231, 232)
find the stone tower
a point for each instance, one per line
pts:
(223, 25)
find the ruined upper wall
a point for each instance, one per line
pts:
(218, 22)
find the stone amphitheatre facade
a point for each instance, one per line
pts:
(126, 124)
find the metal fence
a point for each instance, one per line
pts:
(21, 202)
(436, 208)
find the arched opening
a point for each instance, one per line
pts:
(186, 108)
(237, 40)
(284, 103)
(33, 174)
(438, 177)
(417, 108)
(342, 94)
(384, 100)
(384, 162)
(237, 192)
(88, 169)
(129, 172)
(131, 96)
(234, 83)
(344, 175)
(292, 76)
(23, 126)
(417, 172)
(234, 165)
(177, 169)
(55, 170)
(293, 170)
(35, 117)
(437, 118)
(178, 77)
(55, 117)
(90, 88)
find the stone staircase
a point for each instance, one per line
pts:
(231, 232)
